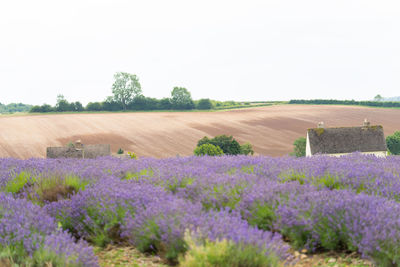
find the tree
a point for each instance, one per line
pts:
(125, 88)
(204, 103)
(393, 143)
(165, 104)
(62, 104)
(78, 106)
(94, 106)
(227, 143)
(299, 147)
(110, 104)
(378, 98)
(208, 149)
(181, 98)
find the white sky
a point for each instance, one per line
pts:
(219, 49)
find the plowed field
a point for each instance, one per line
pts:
(272, 130)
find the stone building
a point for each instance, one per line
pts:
(79, 150)
(340, 141)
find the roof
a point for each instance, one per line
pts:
(346, 139)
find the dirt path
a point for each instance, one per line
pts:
(272, 130)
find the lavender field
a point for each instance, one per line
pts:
(232, 210)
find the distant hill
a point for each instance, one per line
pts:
(271, 130)
(14, 107)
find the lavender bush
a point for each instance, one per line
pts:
(29, 235)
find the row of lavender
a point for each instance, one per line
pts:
(347, 203)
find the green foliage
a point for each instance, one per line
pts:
(14, 107)
(120, 151)
(45, 188)
(246, 149)
(328, 181)
(149, 241)
(63, 105)
(204, 103)
(290, 176)
(393, 143)
(248, 169)
(378, 97)
(76, 182)
(175, 184)
(42, 109)
(208, 149)
(125, 88)
(94, 106)
(262, 216)
(224, 253)
(140, 174)
(299, 147)
(132, 155)
(16, 184)
(223, 196)
(165, 104)
(181, 98)
(54, 187)
(17, 256)
(104, 224)
(227, 143)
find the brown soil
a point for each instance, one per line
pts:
(272, 130)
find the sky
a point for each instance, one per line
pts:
(225, 50)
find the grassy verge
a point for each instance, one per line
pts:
(113, 256)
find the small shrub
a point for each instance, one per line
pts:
(262, 216)
(55, 187)
(208, 149)
(120, 151)
(70, 145)
(228, 145)
(132, 155)
(16, 184)
(224, 253)
(299, 147)
(144, 173)
(393, 143)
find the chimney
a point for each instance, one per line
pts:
(321, 125)
(366, 123)
(78, 144)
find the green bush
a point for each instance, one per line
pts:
(225, 253)
(17, 256)
(299, 147)
(227, 143)
(208, 149)
(263, 216)
(204, 104)
(132, 155)
(393, 143)
(246, 149)
(120, 151)
(16, 184)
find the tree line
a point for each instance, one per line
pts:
(127, 94)
(14, 107)
(346, 102)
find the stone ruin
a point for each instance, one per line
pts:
(79, 151)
